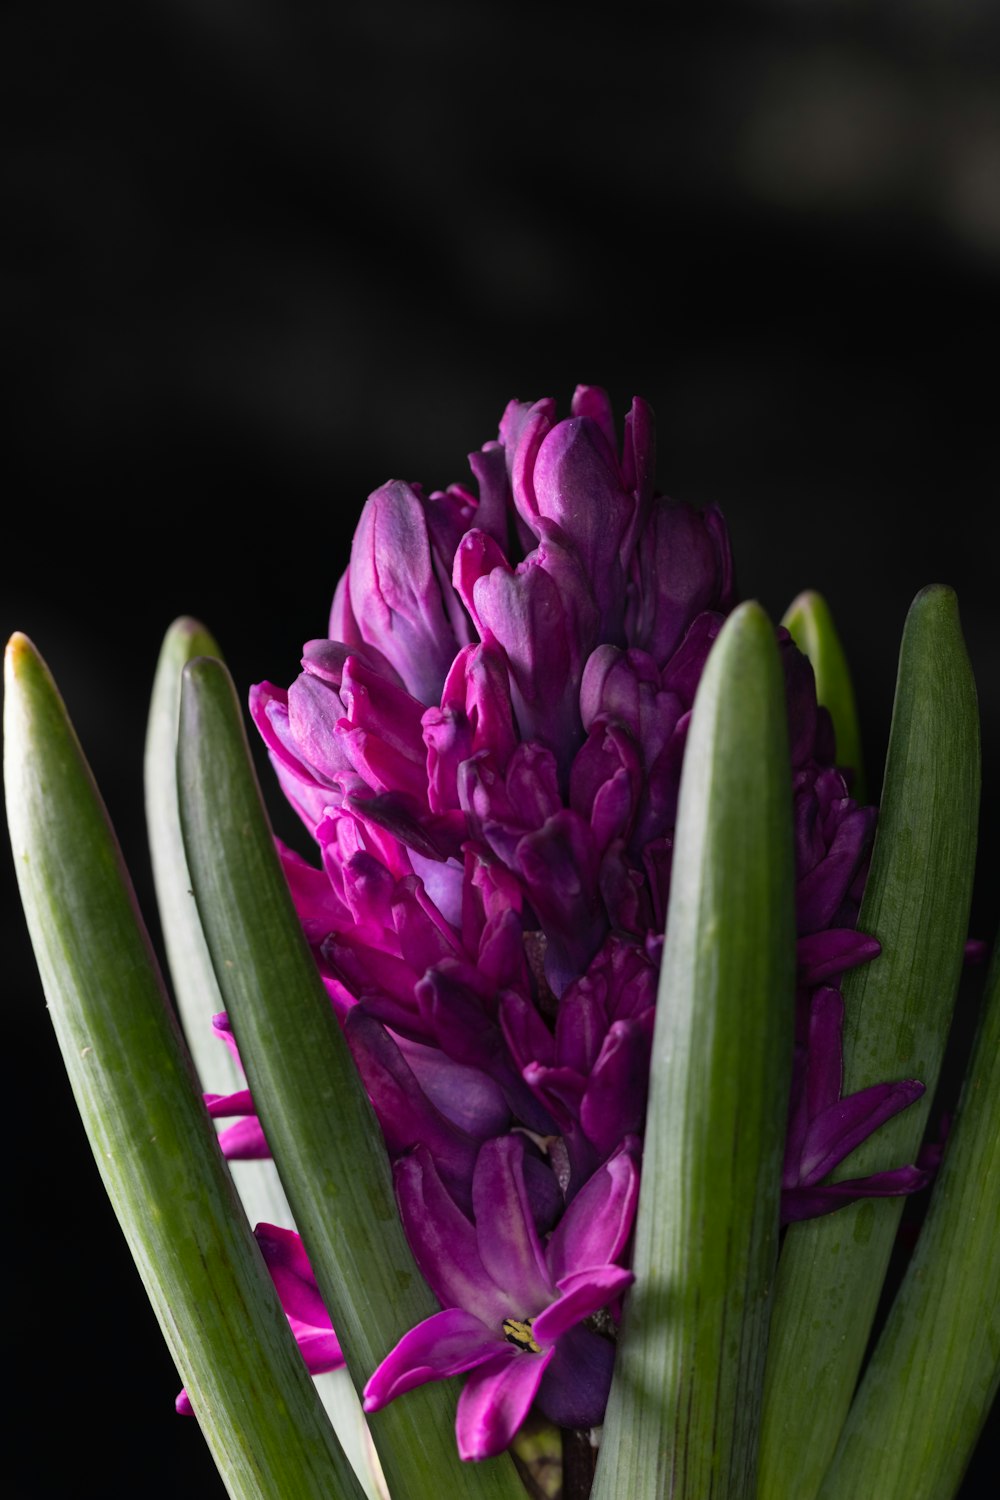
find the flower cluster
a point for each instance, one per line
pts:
(487, 752)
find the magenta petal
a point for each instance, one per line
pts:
(443, 1241)
(838, 1130)
(406, 1115)
(394, 593)
(495, 1401)
(812, 1202)
(467, 1097)
(583, 1294)
(824, 1062)
(182, 1405)
(449, 1343)
(821, 955)
(220, 1106)
(244, 1141)
(508, 1243)
(285, 1257)
(597, 1223)
(614, 1104)
(574, 1390)
(321, 1351)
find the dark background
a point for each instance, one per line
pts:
(258, 257)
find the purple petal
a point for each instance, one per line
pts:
(326, 659)
(574, 1390)
(374, 702)
(526, 1034)
(682, 673)
(547, 598)
(314, 711)
(614, 1104)
(495, 1401)
(606, 782)
(578, 487)
(639, 454)
(593, 402)
(821, 955)
(522, 428)
(448, 1343)
(812, 1202)
(677, 571)
(581, 1026)
(455, 1012)
(321, 1351)
(220, 1106)
(596, 1225)
(444, 1243)
(583, 1294)
(245, 1141)
(507, 1241)
(406, 1115)
(465, 1096)
(820, 893)
(395, 595)
(489, 466)
(559, 865)
(561, 1089)
(838, 1130)
(286, 1260)
(825, 1059)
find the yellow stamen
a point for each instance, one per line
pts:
(517, 1331)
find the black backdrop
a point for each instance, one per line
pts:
(258, 258)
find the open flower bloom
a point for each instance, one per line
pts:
(514, 1311)
(487, 752)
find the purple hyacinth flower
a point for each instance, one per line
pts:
(488, 753)
(513, 1309)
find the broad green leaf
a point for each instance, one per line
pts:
(682, 1418)
(317, 1117)
(898, 1009)
(810, 623)
(141, 1108)
(930, 1384)
(197, 993)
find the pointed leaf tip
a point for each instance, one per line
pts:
(18, 648)
(809, 622)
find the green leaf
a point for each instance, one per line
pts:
(929, 1387)
(316, 1115)
(141, 1108)
(810, 623)
(898, 1009)
(199, 999)
(196, 990)
(194, 986)
(682, 1418)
